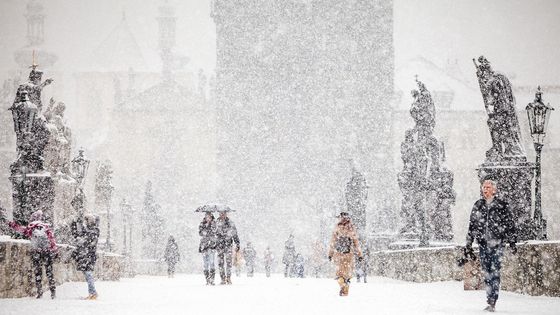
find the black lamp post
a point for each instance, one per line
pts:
(127, 213)
(539, 115)
(80, 165)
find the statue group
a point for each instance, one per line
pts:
(43, 145)
(426, 184)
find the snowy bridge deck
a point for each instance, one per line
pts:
(186, 294)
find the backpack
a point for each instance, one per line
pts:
(343, 244)
(39, 239)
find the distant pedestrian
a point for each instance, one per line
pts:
(343, 247)
(85, 254)
(289, 256)
(318, 258)
(207, 247)
(171, 256)
(43, 249)
(491, 225)
(362, 265)
(250, 256)
(226, 233)
(268, 259)
(237, 262)
(299, 266)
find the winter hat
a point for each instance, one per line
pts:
(343, 213)
(37, 216)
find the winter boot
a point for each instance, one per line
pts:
(346, 287)
(39, 293)
(92, 297)
(211, 275)
(53, 294)
(490, 308)
(341, 283)
(228, 280)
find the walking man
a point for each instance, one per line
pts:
(226, 234)
(492, 226)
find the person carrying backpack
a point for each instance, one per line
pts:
(43, 249)
(344, 245)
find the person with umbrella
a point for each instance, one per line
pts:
(226, 235)
(207, 247)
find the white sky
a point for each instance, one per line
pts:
(519, 37)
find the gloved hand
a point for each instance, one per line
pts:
(360, 259)
(513, 248)
(330, 258)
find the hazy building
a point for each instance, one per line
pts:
(301, 87)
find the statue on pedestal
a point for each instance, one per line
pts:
(499, 103)
(426, 185)
(32, 187)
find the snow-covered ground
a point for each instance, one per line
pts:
(186, 294)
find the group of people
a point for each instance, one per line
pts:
(218, 236)
(491, 226)
(44, 250)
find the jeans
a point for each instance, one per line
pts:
(208, 259)
(491, 262)
(224, 262)
(90, 282)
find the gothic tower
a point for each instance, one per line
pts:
(301, 86)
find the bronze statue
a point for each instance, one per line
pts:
(502, 118)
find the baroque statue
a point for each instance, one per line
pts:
(499, 103)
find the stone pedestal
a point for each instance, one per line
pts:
(64, 213)
(32, 192)
(514, 180)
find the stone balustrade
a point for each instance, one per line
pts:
(535, 270)
(16, 274)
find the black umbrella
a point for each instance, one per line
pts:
(214, 208)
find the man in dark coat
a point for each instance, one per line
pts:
(226, 234)
(289, 256)
(492, 226)
(85, 255)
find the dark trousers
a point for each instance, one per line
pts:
(250, 269)
(267, 270)
(224, 263)
(491, 263)
(39, 259)
(170, 269)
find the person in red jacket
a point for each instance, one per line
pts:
(43, 249)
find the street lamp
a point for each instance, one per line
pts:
(81, 166)
(539, 115)
(127, 213)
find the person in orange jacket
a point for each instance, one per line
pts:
(344, 246)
